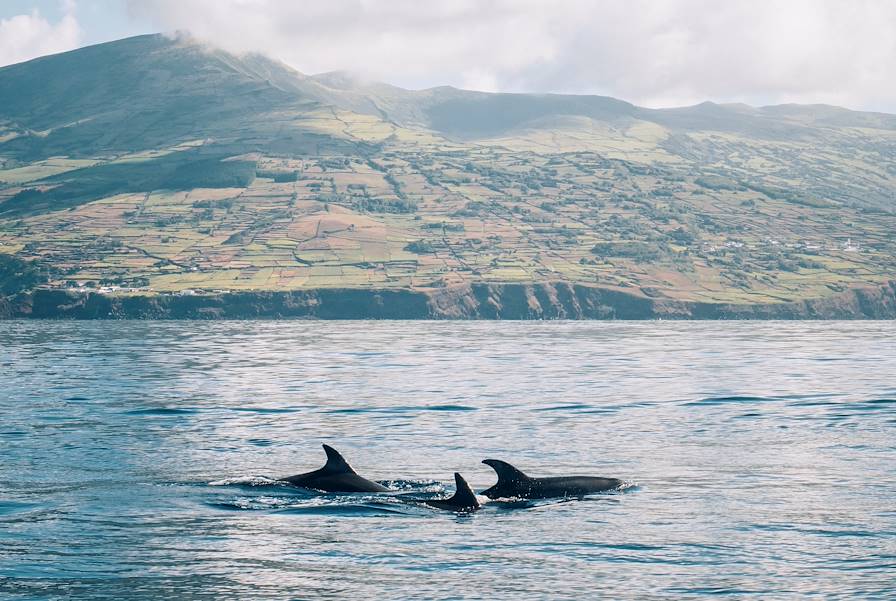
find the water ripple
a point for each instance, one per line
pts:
(138, 459)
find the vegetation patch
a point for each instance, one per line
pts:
(17, 275)
(178, 171)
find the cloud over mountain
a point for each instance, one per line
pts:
(668, 53)
(29, 35)
(653, 53)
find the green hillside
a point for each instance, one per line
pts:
(158, 165)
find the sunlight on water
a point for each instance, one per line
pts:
(138, 459)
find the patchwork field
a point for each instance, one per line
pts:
(437, 219)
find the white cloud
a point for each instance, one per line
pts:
(26, 36)
(654, 52)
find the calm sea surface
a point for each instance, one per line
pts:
(135, 459)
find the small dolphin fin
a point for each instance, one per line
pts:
(336, 463)
(506, 472)
(463, 495)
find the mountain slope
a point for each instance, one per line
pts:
(826, 152)
(159, 165)
(141, 93)
(474, 115)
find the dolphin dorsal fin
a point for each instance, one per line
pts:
(463, 494)
(506, 472)
(336, 463)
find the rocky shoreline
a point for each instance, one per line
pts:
(549, 300)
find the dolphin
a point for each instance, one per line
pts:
(512, 483)
(464, 498)
(335, 476)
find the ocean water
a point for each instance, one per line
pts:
(136, 459)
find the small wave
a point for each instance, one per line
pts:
(403, 409)
(344, 504)
(573, 407)
(267, 409)
(346, 509)
(814, 404)
(881, 402)
(723, 400)
(414, 485)
(826, 532)
(162, 411)
(851, 409)
(260, 502)
(8, 507)
(515, 504)
(231, 505)
(247, 481)
(632, 547)
(260, 442)
(848, 533)
(627, 486)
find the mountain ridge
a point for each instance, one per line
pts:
(439, 105)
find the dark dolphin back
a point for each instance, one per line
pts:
(463, 494)
(335, 476)
(514, 483)
(464, 498)
(507, 474)
(336, 463)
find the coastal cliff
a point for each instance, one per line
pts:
(547, 300)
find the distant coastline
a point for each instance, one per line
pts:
(508, 301)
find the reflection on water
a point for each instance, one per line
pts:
(136, 457)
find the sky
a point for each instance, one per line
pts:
(651, 52)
